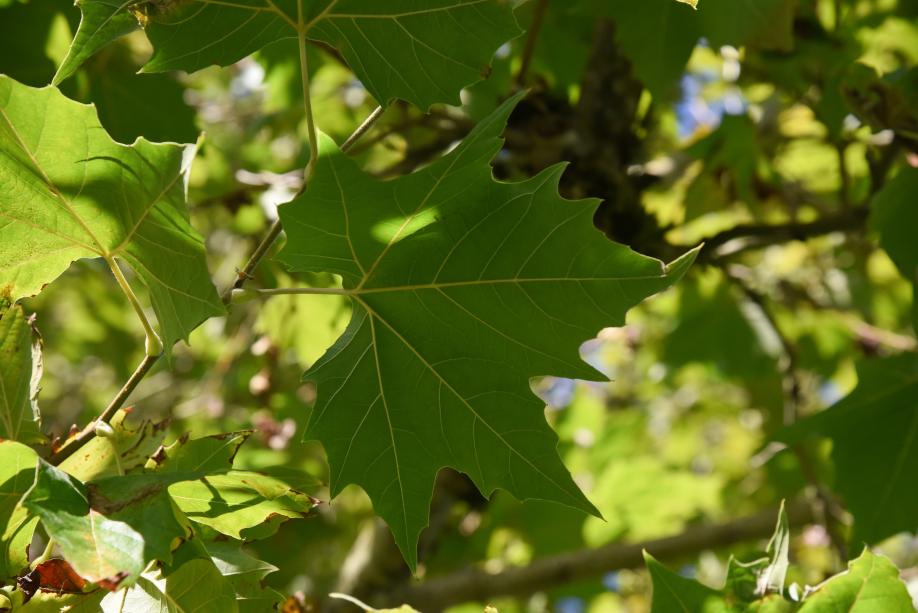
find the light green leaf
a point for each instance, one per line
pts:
(199, 456)
(462, 289)
(241, 504)
(108, 530)
(17, 472)
(20, 375)
(125, 450)
(71, 192)
(874, 432)
(871, 585)
(674, 593)
(423, 53)
(197, 585)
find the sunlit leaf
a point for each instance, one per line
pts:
(17, 472)
(20, 375)
(70, 192)
(423, 53)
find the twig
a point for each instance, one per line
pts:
(544, 573)
(117, 402)
(532, 38)
(742, 237)
(265, 245)
(826, 508)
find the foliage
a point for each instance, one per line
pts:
(418, 299)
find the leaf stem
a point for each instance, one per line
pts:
(286, 291)
(153, 345)
(117, 402)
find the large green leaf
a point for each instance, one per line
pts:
(108, 530)
(463, 288)
(420, 52)
(71, 192)
(874, 431)
(20, 374)
(196, 586)
(871, 585)
(241, 504)
(17, 471)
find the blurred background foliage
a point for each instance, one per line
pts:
(783, 133)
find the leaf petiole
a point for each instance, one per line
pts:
(153, 346)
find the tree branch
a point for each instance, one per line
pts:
(743, 237)
(87, 433)
(544, 573)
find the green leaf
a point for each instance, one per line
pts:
(764, 24)
(423, 53)
(874, 432)
(72, 192)
(108, 530)
(871, 585)
(197, 585)
(241, 504)
(674, 593)
(893, 215)
(462, 289)
(658, 36)
(200, 456)
(17, 471)
(20, 375)
(246, 574)
(125, 450)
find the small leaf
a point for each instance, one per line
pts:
(771, 579)
(17, 471)
(71, 192)
(674, 593)
(20, 375)
(200, 456)
(126, 450)
(197, 585)
(241, 504)
(108, 530)
(870, 585)
(246, 574)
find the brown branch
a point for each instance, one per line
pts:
(87, 433)
(544, 573)
(825, 506)
(743, 237)
(532, 38)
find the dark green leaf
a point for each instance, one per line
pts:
(875, 446)
(463, 288)
(674, 593)
(893, 214)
